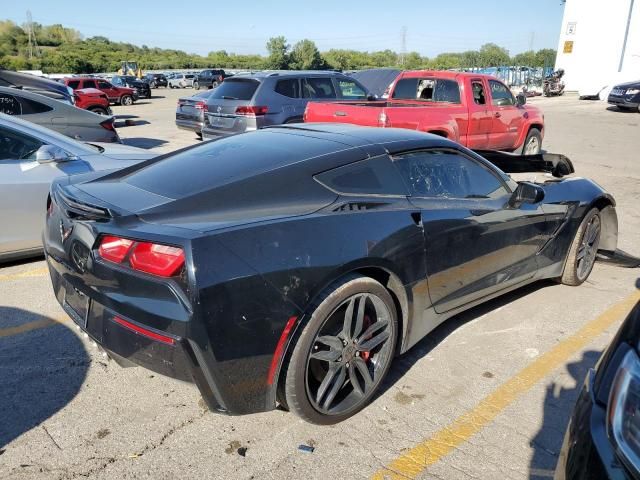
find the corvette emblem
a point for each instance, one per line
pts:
(65, 232)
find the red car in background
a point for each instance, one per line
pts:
(478, 111)
(93, 100)
(118, 95)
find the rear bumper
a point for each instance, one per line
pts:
(129, 348)
(216, 126)
(191, 125)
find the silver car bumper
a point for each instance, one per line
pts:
(220, 125)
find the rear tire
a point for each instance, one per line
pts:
(583, 251)
(533, 143)
(343, 353)
(98, 110)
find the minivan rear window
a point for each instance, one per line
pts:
(236, 89)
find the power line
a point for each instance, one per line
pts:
(403, 51)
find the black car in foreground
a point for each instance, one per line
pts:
(142, 88)
(626, 96)
(290, 265)
(603, 437)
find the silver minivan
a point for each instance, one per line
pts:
(248, 102)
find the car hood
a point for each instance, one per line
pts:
(634, 84)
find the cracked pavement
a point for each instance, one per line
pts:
(68, 413)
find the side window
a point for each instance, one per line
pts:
(319, 88)
(17, 146)
(73, 84)
(116, 81)
(373, 176)
(10, 105)
(289, 87)
(446, 174)
(30, 107)
(104, 85)
(89, 84)
(500, 94)
(350, 90)
(446, 91)
(427, 89)
(479, 97)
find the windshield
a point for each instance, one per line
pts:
(236, 89)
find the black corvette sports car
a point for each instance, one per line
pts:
(290, 265)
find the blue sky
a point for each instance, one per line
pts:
(244, 26)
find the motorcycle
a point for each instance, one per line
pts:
(553, 84)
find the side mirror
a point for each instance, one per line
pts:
(526, 193)
(371, 97)
(50, 154)
(521, 99)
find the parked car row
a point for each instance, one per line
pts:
(478, 111)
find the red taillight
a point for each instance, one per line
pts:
(201, 106)
(161, 260)
(114, 249)
(153, 258)
(145, 332)
(108, 125)
(251, 111)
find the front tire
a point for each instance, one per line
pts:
(583, 251)
(343, 353)
(98, 110)
(126, 100)
(533, 143)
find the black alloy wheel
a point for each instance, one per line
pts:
(343, 353)
(584, 249)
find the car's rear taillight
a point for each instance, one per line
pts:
(145, 331)
(153, 258)
(251, 111)
(161, 260)
(108, 124)
(201, 106)
(114, 249)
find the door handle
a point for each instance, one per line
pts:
(497, 114)
(339, 114)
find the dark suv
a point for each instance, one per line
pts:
(248, 102)
(140, 86)
(626, 96)
(209, 78)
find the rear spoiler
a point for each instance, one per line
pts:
(556, 164)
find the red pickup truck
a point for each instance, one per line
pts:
(478, 111)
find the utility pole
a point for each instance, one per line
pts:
(33, 43)
(403, 51)
(532, 37)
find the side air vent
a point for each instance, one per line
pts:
(80, 210)
(354, 206)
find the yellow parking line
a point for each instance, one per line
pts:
(27, 327)
(413, 462)
(38, 272)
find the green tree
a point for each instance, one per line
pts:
(305, 56)
(491, 55)
(546, 57)
(527, 58)
(278, 49)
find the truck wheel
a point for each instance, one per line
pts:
(583, 251)
(533, 143)
(126, 100)
(98, 110)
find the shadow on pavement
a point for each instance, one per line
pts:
(143, 142)
(41, 371)
(557, 410)
(404, 363)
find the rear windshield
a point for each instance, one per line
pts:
(236, 89)
(224, 161)
(427, 89)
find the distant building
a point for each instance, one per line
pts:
(599, 44)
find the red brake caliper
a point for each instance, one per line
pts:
(367, 323)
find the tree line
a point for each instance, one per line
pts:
(64, 50)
